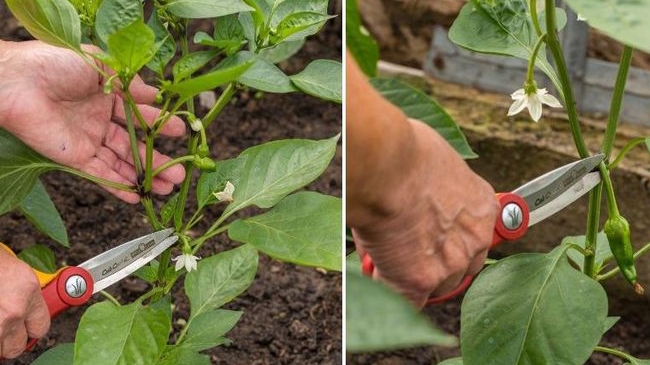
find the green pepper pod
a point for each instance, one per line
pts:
(204, 163)
(617, 230)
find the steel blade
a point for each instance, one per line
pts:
(580, 188)
(548, 187)
(117, 263)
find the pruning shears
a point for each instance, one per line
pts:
(527, 205)
(74, 285)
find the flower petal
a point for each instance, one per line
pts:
(535, 107)
(180, 262)
(517, 94)
(550, 100)
(517, 106)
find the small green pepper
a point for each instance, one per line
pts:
(203, 150)
(204, 163)
(617, 230)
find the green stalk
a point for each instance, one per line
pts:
(533, 16)
(591, 239)
(530, 73)
(556, 51)
(617, 100)
(170, 163)
(223, 100)
(97, 180)
(133, 140)
(611, 273)
(110, 298)
(611, 351)
(191, 150)
(633, 143)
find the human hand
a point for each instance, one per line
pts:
(23, 312)
(433, 227)
(54, 102)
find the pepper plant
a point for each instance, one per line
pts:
(249, 38)
(550, 308)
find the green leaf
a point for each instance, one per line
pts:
(189, 88)
(228, 34)
(128, 334)
(609, 322)
(380, 319)
(114, 15)
(199, 9)
(282, 51)
(167, 210)
(303, 228)
(40, 210)
(191, 63)
(295, 23)
(208, 329)
(262, 75)
(20, 167)
(363, 48)
(322, 79)
(353, 263)
(220, 278)
(62, 354)
(250, 29)
(502, 28)
(263, 175)
(52, 21)
(532, 309)
(288, 7)
(166, 46)
(603, 252)
(148, 273)
(417, 105)
(454, 361)
(133, 47)
(40, 257)
(215, 181)
(626, 21)
(176, 355)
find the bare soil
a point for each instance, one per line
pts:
(292, 315)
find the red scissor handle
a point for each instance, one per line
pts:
(512, 223)
(73, 286)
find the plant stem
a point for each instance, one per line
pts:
(556, 50)
(110, 298)
(168, 164)
(615, 270)
(612, 207)
(207, 236)
(223, 100)
(133, 140)
(625, 150)
(618, 353)
(591, 238)
(97, 180)
(530, 73)
(533, 16)
(617, 100)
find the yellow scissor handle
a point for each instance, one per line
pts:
(43, 277)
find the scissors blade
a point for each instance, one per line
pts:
(121, 261)
(580, 188)
(548, 187)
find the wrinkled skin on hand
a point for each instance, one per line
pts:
(438, 223)
(424, 217)
(23, 312)
(54, 102)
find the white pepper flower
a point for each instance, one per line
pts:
(226, 194)
(532, 100)
(186, 260)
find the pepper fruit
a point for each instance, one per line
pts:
(204, 163)
(617, 230)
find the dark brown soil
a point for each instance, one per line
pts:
(292, 315)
